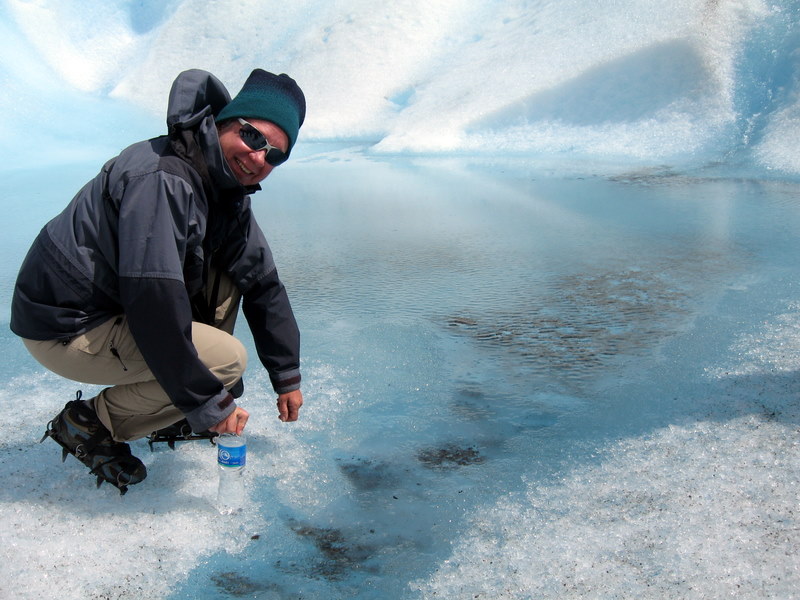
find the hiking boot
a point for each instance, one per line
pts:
(178, 432)
(80, 433)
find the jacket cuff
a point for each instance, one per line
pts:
(216, 409)
(287, 381)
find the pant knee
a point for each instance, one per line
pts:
(232, 363)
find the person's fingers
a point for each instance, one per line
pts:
(283, 411)
(233, 423)
(241, 417)
(289, 406)
(294, 411)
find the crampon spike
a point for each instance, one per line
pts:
(48, 432)
(122, 486)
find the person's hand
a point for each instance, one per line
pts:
(289, 405)
(234, 423)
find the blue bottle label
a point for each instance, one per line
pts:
(231, 456)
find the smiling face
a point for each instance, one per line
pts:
(249, 166)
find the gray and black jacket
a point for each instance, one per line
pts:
(139, 240)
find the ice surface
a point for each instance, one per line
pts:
(543, 255)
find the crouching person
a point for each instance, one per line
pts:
(137, 284)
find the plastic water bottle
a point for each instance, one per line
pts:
(231, 458)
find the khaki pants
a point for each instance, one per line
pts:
(137, 405)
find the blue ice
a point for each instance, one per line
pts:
(543, 256)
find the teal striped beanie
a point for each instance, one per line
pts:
(274, 98)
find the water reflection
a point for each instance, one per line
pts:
(563, 276)
(461, 328)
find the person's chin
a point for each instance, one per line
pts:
(250, 180)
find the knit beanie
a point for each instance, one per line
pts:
(274, 98)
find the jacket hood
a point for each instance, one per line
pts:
(195, 94)
(195, 99)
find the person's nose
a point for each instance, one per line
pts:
(260, 164)
(259, 158)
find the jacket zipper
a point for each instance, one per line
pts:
(111, 347)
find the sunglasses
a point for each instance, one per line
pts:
(255, 140)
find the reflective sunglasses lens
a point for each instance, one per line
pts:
(256, 141)
(252, 137)
(275, 157)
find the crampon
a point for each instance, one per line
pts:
(80, 433)
(178, 432)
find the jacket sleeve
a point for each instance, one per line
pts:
(157, 224)
(275, 332)
(265, 302)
